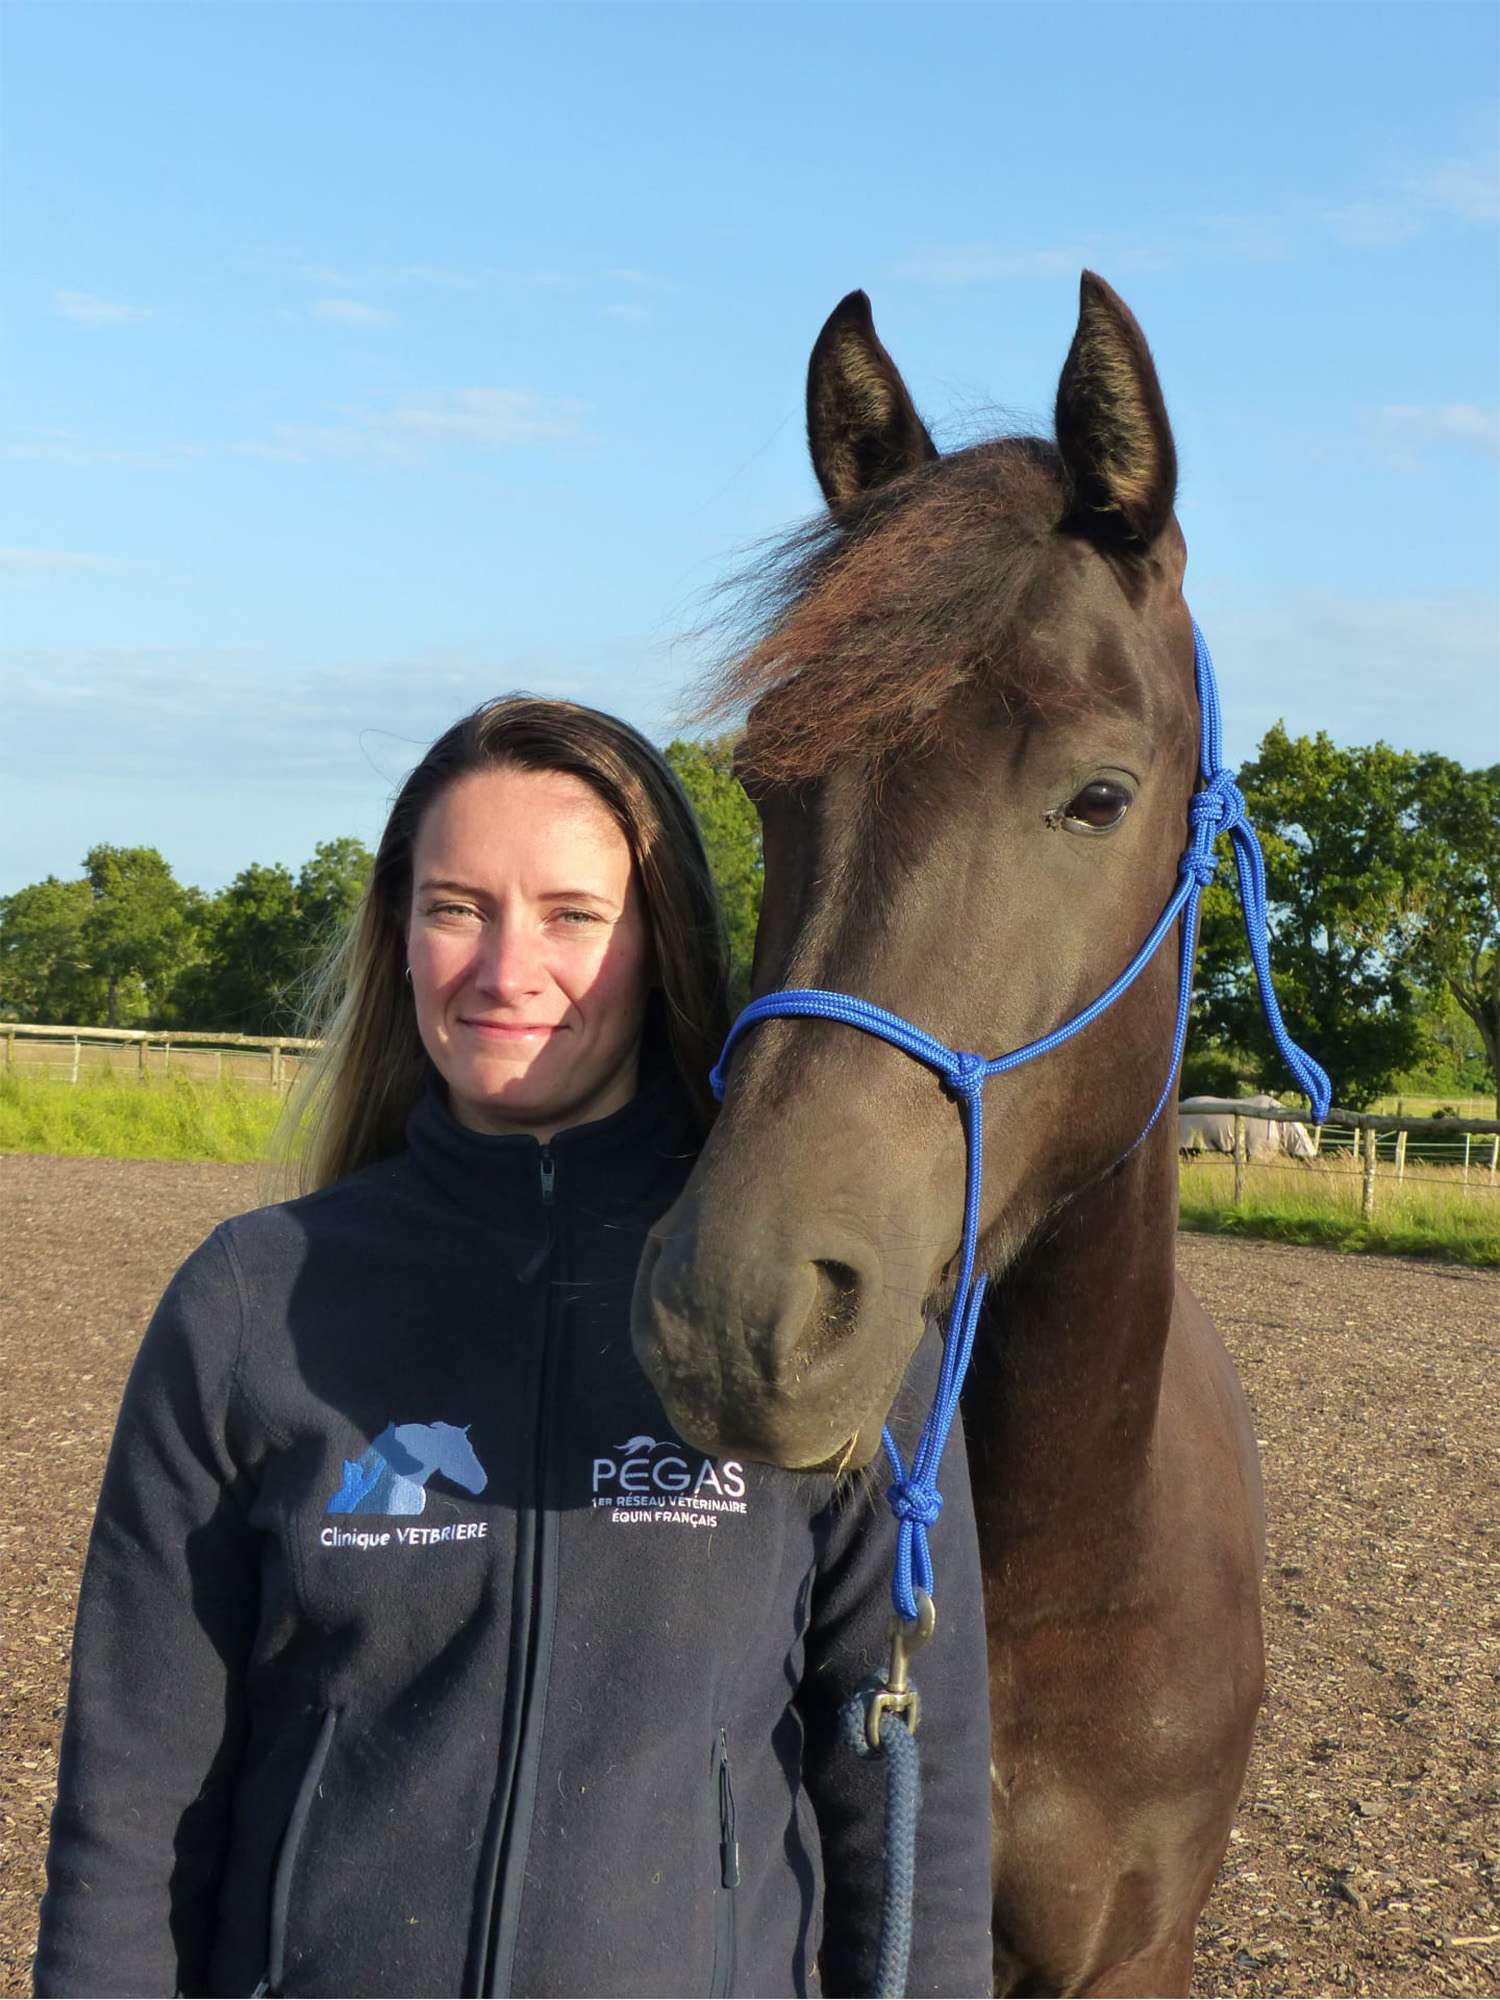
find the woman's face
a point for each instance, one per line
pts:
(529, 951)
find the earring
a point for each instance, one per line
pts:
(408, 975)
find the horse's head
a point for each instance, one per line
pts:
(972, 743)
(453, 1455)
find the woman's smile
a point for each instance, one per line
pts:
(511, 1030)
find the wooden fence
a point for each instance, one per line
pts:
(1364, 1138)
(1471, 1145)
(270, 1061)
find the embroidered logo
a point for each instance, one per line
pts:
(392, 1476)
(664, 1482)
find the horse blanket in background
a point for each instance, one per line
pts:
(1265, 1138)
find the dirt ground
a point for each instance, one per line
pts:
(1364, 1859)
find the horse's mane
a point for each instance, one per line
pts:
(852, 633)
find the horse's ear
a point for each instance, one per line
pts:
(1112, 429)
(862, 425)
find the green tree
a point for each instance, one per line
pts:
(1455, 942)
(138, 932)
(251, 957)
(263, 936)
(44, 975)
(329, 887)
(1345, 871)
(731, 834)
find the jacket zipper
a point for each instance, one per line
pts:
(530, 1661)
(729, 1875)
(537, 1262)
(286, 1859)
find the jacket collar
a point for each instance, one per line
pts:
(637, 1157)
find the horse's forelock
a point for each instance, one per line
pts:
(856, 631)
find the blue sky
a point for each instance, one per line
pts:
(366, 361)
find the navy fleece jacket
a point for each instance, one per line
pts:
(415, 1655)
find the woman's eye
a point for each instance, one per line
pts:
(580, 917)
(1099, 805)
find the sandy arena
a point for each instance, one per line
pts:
(1365, 1854)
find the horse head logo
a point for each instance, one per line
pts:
(391, 1477)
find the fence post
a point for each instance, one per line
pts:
(1468, 1148)
(1494, 1154)
(140, 1059)
(1317, 1139)
(1401, 1154)
(276, 1066)
(1367, 1192)
(218, 1065)
(166, 1058)
(1239, 1158)
(77, 1047)
(10, 1051)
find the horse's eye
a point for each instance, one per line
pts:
(1102, 804)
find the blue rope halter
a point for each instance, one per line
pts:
(1216, 807)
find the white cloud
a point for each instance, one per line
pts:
(1374, 225)
(1467, 189)
(91, 311)
(491, 419)
(631, 315)
(1463, 190)
(1467, 423)
(1245, 239)
(350, 312)
(1460, 190)
(984, 263)
(1423, 673)
(67, 448)
(26, 565)
(153, 713)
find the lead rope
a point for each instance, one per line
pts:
(887, 1710)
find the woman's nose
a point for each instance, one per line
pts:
(509, 963)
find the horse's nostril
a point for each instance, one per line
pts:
(838, 1283)
(835, 1312)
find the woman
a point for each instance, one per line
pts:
(415, 1655)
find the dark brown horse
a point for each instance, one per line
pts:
(972, 745)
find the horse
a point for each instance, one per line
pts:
(1200, 1131)
(971, 738)
(391, 1476)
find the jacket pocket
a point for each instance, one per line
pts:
(286, 1859)
(729, 1871)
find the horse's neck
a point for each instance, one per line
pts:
(1061, 1409)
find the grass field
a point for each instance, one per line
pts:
(1424, 1107)
(122, 1118)
(1432, 1213)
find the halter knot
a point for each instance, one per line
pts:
(1217, 808)
(911, 1501)
(967, 1073)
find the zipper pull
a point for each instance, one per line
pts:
(729, 1847)
(536, 1262)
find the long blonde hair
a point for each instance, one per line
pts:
(349, 1106)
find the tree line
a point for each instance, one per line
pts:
(1383, 877)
